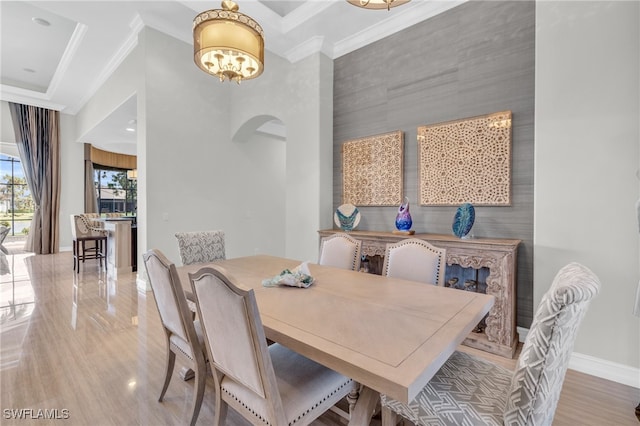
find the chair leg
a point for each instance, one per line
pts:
(389, 417)
(221, 411)
(200, 377)
(99, 252)
(171, 361)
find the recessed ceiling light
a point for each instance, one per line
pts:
(28, 70)
(130, 129)
(41, 21)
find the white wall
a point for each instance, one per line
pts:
(195, 177)
(6, 126)
(266, 194)
(119, 87)
(301, 96)
(587, 157)
(71, 178)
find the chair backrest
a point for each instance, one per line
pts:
(4, 231)
(81, 228)
(91, 219)
(537, 380)
(340, 250)
(415, 260)
(201, 247)
(170, 299)
(235, 337)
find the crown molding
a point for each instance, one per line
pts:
(28, 97)
(409, 14)
(130, 43)
(302, 14)
(305, 49)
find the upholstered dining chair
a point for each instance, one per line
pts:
(340, 250)
(269, 385)
(82, 232)
(183, 334)
(415, 260)
(201, 246)
(4, 231)
(470, 390)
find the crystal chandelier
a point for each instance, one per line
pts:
(228, 44)
(377, 4)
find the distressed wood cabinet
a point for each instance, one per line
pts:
(498, 256)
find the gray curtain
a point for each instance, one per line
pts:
(90, 197)
(38, 141)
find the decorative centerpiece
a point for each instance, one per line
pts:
(347, 217)
(463, 220)
(403, 219)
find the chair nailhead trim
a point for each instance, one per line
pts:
(320, 402)
(263, 420)
(173, 345)
(300, 417)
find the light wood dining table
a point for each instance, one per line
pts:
(389, 335)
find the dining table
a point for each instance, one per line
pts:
(389, 335)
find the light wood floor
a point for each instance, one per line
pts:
(93, 346)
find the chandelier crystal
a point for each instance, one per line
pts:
(228, 44)
(377, 4)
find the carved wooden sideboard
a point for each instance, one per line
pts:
(498, 256)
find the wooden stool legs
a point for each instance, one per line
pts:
(81, 253)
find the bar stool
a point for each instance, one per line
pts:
(82, 232)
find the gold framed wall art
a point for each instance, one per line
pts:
(372, 170)
(466, 161)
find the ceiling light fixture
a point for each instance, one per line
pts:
(228, 44)
(377, 4)
(132, 174)
(132, 125)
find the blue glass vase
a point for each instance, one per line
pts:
(403, 218)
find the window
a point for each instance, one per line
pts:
(115, 191)
(16, 204)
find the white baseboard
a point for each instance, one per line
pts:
(613, 371)
(522, 333)
(598, 367)
(142, 282)
(65, 248)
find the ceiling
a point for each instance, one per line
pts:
(62, 64)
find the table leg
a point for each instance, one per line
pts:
(364, 408)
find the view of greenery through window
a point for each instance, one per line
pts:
(16, 204)
(115, 191)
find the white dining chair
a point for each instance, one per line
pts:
(340, 250)
(469, 390)
(269, 385)
(415, 260)
(183, 334)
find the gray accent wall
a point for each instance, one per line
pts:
(475, 59)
